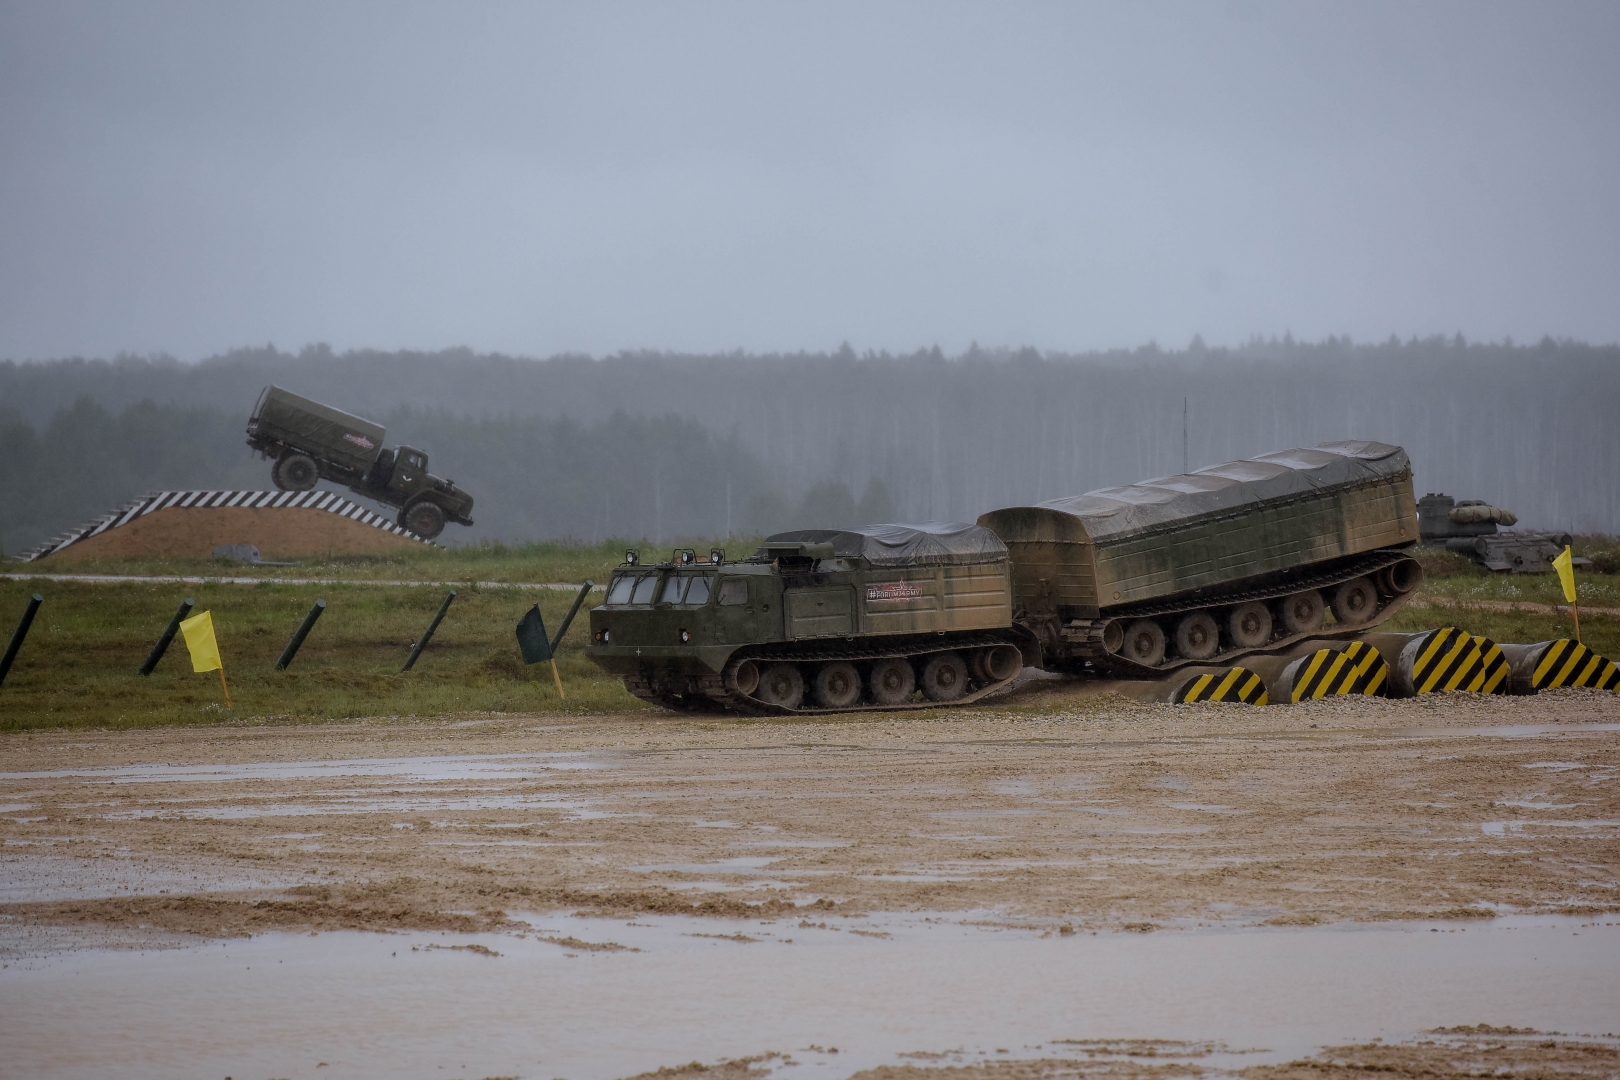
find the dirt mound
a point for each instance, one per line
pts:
(277, 531)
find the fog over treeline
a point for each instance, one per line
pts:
(666, 446)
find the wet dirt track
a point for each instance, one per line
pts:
(1111, 815)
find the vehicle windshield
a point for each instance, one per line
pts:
(644, 589)
(674, 585)
(619, 591)
(699, 592)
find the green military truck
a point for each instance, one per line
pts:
(310, 442)
(816, 621)
(1215, 564)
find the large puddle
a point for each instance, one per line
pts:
(592, 998)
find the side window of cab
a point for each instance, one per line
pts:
(733, 591)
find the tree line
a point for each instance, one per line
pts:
(663, 445)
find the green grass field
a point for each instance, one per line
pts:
(78, 666)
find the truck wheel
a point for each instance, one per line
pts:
(295, 472)
(425, 519)
(837, 685)
(1197, 636)
(1249, 625)
(1355, 601)
(1302, 612)
(1144, 643)
(892, 681)
(944, 677)
(781, 684)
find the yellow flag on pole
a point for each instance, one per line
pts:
(1565, 565)
(199, 631)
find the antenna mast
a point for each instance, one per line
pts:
(1185, 467)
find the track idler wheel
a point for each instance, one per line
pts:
(742, 676)
(892, 681)
(1003, 662)
(837, 685)
(1401, 578)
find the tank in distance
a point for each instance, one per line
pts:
(1470, 527)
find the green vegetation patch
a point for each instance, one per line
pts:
(79, 665)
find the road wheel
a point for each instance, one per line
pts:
(1144, 643)
(425, 519)
(1354, 602)
(837, 685)
(781, 684)
(1197, 636)
(295, 472)
(1249, 625)
(944, 677)
(1302, 612)
(892, 681)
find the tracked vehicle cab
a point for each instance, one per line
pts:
(810, 619)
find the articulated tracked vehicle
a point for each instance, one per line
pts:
(817, 621)
(1136, 581)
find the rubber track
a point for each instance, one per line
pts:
(742, 703)
(1118, 665)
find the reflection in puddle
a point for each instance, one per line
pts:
(599, 998)
(1515, 828)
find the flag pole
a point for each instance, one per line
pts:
(225, 689)
(1575, 607)
(558, 677)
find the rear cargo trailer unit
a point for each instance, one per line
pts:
(1208, 566)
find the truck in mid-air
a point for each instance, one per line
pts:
(1247, 557)
(310, 442)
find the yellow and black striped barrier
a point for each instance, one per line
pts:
(1356, 669)
(1450, 659)
(1233, 684)
(1549, 665)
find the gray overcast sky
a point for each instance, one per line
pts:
(538, 178)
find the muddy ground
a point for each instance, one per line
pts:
(1460, 1052)
(1079, 813)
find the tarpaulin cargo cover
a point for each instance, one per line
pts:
(1215, 527)
(933, 543)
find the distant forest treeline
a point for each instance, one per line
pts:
(665, 446)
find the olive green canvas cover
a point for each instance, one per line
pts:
(932, 543)
(316, 429)
(1116, 512)
(1217, 528)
